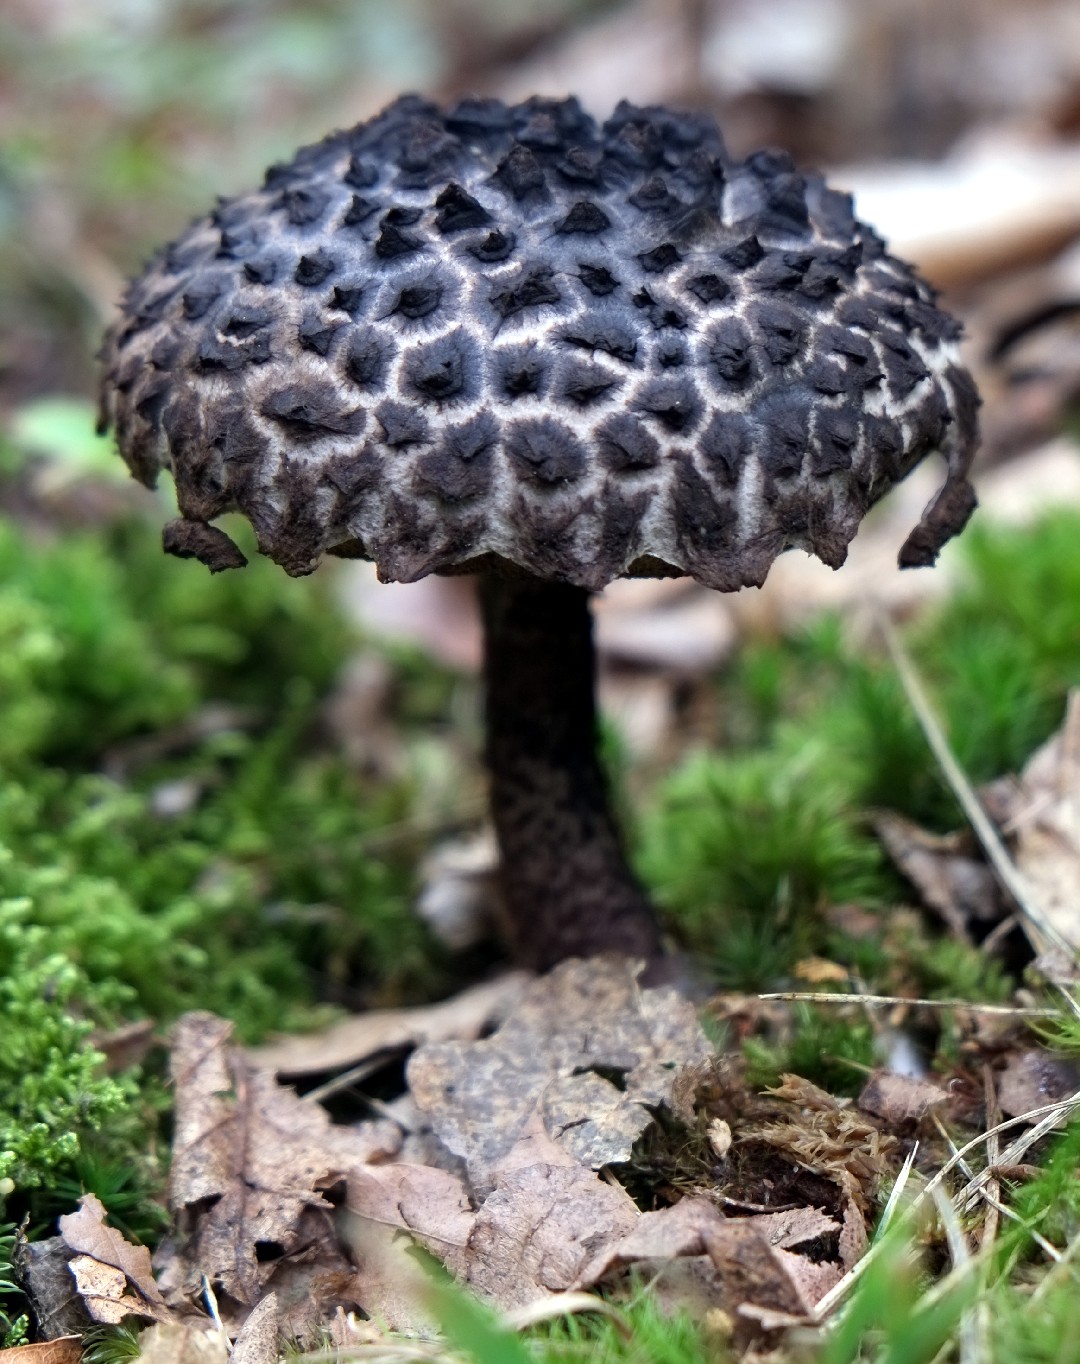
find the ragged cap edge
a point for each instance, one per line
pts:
(197, 540)
(950, 510)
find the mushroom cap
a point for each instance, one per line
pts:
(445, 340)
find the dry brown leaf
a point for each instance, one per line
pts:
(1031, 1079)
(820, 970)
(667, 623)
(432, 1205)
(1046, 820)
(854, 1234)
(957, 886)
(63, 1350)
(43, 1270)
(747, 1254)
(665, 1235)
(899, 1099)
(537, 1230)
(124, 1047)
(794, 1227)
(105, 1267)
(586, 1045)
(357, 1039)
(250, 1162)
(257, 1342)
(389, 1208)
(182, 1343)
(390, 1283)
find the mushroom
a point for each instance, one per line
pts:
(507, 341)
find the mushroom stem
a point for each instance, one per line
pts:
(567, 888)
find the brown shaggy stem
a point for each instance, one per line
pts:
(566, 885)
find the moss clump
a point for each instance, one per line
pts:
(102, 639)
(746, 850)
(256, 901)
(53, 1091)
(834, 1050)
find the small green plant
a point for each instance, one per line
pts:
(111, 1345)
(1050, 1203)
(13, 1321)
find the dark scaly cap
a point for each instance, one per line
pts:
(448, 339)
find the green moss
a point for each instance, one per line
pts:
(744, 852)
(258, 897)
(52, 1088)
(1050, 1203)
(258, 900)
(103, 638)
(1030, 1329)
(834, 1051)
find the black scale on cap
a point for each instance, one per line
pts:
(591, 350)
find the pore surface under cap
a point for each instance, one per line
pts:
(588, 350)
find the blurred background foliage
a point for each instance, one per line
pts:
(120, 119)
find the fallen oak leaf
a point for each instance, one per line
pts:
(251, 1164)
(1045, 817)
(587, 1045)
(899, 1099)
(750, 1264)
(106, 1266)
(538, 1229)
(1032, 1078)
(389, 1210)
(431, 1204)
(385, 1031)
(257, 1342)
(949, 877)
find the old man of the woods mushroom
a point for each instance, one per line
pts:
(511, 342)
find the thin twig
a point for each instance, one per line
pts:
(992, 1193)
(1049, 1116)
(883, 1001)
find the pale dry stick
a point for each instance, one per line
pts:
(1055, 1273)
(1035, 922)
(972, 1329)
(349, 1077)
(565, 1305)
(883, 1001)
(993, 1156)
(993, 1202)
(1048, 1114)
(210, 1298)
